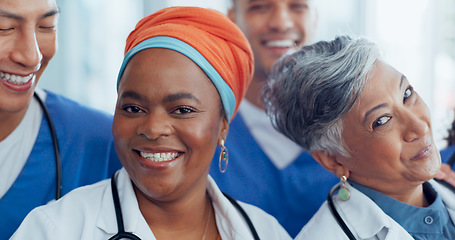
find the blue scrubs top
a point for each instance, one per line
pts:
(87, 153)
(422, 223)
(447, 153)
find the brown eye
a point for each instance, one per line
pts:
(132, 109)
(183, 110)
(408, 93)
(380, 121)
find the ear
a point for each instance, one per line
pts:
(331, 162)
(231, 14)
(224, 129)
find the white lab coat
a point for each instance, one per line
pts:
(364, 218)
(88, 213)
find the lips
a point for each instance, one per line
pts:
(160, 157)
(17, 82)
(279, 47)
(424, 153)
(286, 43)
(158, 160)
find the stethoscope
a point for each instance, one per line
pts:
(58, 163)
(337, 216)
(121, 234)
(340, 220)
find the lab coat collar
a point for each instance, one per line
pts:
(133, 221)
(228, 219)
(354, 211)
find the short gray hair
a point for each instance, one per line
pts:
(310, 90)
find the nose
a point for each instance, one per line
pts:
(26, 51)
(417, 126)
(281, 19)
(155, 125)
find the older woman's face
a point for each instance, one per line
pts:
(388, 132)
(167, 124)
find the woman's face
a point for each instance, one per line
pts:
(388, 133)
(167, 124)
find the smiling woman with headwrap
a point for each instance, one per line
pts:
(183, 76)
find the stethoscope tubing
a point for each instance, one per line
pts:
(337, 216)
(58, 162)
(121, 234)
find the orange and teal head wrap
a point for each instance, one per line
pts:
(205, 36)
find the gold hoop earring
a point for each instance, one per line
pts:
(343, 193)
(224, 157)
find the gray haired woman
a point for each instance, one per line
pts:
(362, 120)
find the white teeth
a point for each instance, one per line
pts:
(16, 79)
(280, 43)
(159, 157)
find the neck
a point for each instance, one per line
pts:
(414, 197)
(187, 218)
(10, 121)
(410, 195)
(254, 92)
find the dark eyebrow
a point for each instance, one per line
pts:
(402, 80)
(253, 1)
(7, 14)
(372, 110)
(178, 96)
(133, 95)
(169, 98)
(51, 13)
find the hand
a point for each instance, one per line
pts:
(447, 174)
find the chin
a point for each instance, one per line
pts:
(433, 168)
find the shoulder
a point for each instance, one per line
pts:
(79, 201)
(71, 109)
(72, 118)
(63, 217)
(265, 224)
(317, 227)
(446, 153)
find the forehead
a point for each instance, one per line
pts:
(27, 8)
(383, 87)
(165, 69)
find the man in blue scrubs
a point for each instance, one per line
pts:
(28, 41)
(265, 168)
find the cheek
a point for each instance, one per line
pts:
(204, 133)
(377, 146)
(252, 26)
(364, 147)
(48, 47)
(122, 131)
(425, 111)
(203, 137)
